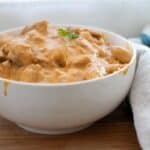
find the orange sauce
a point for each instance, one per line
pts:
(44, 53)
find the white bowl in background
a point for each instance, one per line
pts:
(66, 107)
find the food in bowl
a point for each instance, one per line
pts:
(63, 107)
(48, 53)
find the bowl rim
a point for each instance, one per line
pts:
(97, 29)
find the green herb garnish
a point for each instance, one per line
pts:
(67, 33)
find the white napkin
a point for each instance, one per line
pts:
(140, 96)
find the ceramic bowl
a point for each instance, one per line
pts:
(66, 107)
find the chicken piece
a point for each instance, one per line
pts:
(30, 73)
(86, 35)
(2, 56)
(92, 32)
(41, 27)
(102, 52)
(96, 34)
(4, 39)
(80, 61)
(74, 74)
(41, 58)
(58, 57)
(5, 69)
(68, 75)
(121, 54)
(19, 53)
(35, 37)
(86, 45)
(93, 38)
(111, 60)
(113, 67)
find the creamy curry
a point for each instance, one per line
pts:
(47, 53)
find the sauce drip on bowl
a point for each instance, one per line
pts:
(5, 87)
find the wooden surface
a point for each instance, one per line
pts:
(115, 132)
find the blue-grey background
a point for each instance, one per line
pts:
(126, 17)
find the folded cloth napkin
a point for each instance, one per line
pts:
(140, 90)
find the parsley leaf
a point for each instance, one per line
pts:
(67, 33)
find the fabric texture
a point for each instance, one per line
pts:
(140, 91)
(140, 96)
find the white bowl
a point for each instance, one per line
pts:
(66, 107)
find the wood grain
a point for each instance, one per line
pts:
(115, 132)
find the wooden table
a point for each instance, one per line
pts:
(115, 132)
